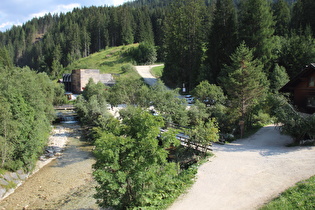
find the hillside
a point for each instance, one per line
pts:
(110, 60)
(51, 43)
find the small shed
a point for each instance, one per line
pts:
(302, 89)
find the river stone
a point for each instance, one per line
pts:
(2, 192)
(50, 155)
(23, 176)
(3, 182)
(17, 182)
(14, 175)
(20, 172)
(7, 177)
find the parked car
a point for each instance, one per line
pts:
(190, 100)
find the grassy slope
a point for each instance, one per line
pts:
(157, 71)
(108, 61)
(301, 196)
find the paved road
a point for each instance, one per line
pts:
(144, 72)
(248, 173)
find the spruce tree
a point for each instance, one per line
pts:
(256, 28)
(244, 81)
(278, 78)
(297, 50)
(303, 14)
(126, 21)
(282, 15)
(222, 39)
(183, 42)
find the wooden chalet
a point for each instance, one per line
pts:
(302, 89)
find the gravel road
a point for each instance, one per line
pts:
(248, 173)
(144, 72)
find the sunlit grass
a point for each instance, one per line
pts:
(157, 71)
(107, 61)
(2, 171)
(301, 196)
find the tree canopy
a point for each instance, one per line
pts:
(132, 167)
(26, 101)
(244, 80)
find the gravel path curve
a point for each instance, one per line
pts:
(144, 72)
(248, 173)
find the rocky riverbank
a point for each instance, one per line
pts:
(57, 142)
(63, 182)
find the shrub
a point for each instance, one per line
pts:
(299, 126)
(144, 54)
(127, 68)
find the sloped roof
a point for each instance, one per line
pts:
(309, 69)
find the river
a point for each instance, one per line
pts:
(64, 183)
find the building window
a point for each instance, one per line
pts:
(312, 82)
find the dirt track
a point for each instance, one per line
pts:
(248, 173)
(144, 72)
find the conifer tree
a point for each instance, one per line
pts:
(303, 14)
(223, 37)
(278, 78)
(256, 28)
(296, 51)
(244, 81)
(183, 42)
(144, 32)
(126, 21)
(282, 17)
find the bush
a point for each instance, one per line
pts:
(144, 54)
(127, 68)
(299, 126)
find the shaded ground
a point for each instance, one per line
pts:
(248, 173)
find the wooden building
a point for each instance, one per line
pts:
(302, 89)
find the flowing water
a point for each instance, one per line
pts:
(65, 183)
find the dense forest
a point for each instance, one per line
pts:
(193, 38)
(26, 114)
(208, 46)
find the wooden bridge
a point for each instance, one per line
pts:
(184, 140)
(65, 107)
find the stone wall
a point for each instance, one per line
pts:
(80, 77)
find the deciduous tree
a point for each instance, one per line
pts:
(209, 93)
(132, 168)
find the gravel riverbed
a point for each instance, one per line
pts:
(63, 183)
